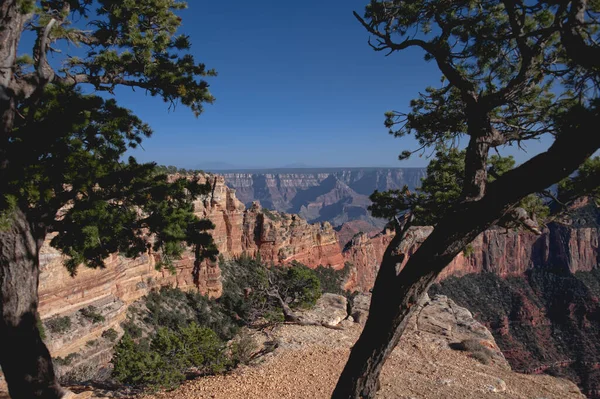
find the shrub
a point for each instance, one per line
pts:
(111, 334)
(331, 280)
(299, 286)
(92, 314)
(40, 326)
(269, 214)
(165, 360)
(476, 349)
(67, 360)
(175, 309)
(482, 356)
(131, 328)
(59, 324)
(91, 343)
(246, 282)
(243, 348)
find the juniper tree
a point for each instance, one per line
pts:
(512, 71)
(61, 166)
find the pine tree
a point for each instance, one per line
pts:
(512, 71)
(61, 166)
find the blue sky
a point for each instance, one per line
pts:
(297, 83)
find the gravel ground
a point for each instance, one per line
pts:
(310, 359)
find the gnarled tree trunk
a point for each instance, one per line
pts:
(24, 358)
(395, 295)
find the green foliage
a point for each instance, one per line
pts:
(245, 283)
(165, 360)
(468, 251)
(111, 334)
(132, 329)
(248, 285)
(66, 361)
(186, 330)
(40, 326)
(442, 187)
(298, 285)
(115, 204)
(271, 215)
(244, 348)
(586, 182)
(174, 309)
(7, 208)
(58, 324)
(510, 74)
(92, 314)
(171, 170)
(331, 280)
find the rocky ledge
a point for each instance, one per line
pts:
(309, 359)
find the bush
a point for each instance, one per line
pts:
(92, 314)
(246, 282)
(67, 360)
(476, 349)
(40, 326)
(165, 360)
(244, 348)
(59, 325)
(299, 285)
(111, 334)
(174, 309)
(269, 214)
(331, 280)
(131, 328)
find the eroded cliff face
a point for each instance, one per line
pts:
(278, 237)
(544, 321)
(504, 253)
(329, 194)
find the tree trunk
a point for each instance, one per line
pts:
(24, 358)
(395, 295)
(11, 22)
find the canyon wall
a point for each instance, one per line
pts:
(504, 253)
(278, 238)
(326, 194)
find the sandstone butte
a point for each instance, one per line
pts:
(279, 238)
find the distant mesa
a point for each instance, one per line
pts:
(334, 195)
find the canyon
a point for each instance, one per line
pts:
(280, 238)
(336, 195)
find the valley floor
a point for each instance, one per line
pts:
(309, 360)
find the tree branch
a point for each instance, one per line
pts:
(466, 87)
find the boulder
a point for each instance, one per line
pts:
(330, 309)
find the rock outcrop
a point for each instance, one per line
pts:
(498, 251)
(329, 194)
(545, 321)
(279, 238)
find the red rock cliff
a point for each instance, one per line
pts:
(495, 250)
(278, 237)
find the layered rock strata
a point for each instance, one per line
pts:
(498, 251)
(278, 238)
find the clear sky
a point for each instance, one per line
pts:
(297, 84)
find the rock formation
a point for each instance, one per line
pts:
(330, 194)
(278, 237)
(498, 251)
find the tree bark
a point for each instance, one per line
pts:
(24, 358)
(395, 295)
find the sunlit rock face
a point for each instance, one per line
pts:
(335, 195)
(504, 253)
(279, 238)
